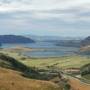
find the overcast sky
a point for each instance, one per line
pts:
(45, 17)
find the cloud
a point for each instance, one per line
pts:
(67, 10)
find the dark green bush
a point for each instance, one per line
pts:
(67, 87)
(85, 69)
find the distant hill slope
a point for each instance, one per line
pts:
(12, 80)
(86, 41)
(69, 43)
(15, 39)
(85, 46)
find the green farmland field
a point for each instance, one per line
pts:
(74, 61)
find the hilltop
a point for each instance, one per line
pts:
(15, 39)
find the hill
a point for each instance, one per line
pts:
(86, 41)
(85, 72)
(16, 76)
(85, 50)
(12, 80)
(85, 69)
(15, 39)
(85, 46)
(11, 63)
(69, 43)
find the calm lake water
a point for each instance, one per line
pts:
(50, 49)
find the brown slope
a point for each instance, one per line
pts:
(12, 80)
(77, 85)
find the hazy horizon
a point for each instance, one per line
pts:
(68, 18)
(43, 35)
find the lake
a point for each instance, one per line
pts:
(50, 49)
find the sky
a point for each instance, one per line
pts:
(45, 17)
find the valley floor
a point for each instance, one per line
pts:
(64, 62)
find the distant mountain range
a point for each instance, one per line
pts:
(52, 38)
(58, 40)
(15, 39)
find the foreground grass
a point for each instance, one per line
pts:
(12, 80)
(78, 85)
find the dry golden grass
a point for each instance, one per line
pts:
(12, 80)
(78, 85)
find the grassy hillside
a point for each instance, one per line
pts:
(85, 69)
(12, 80)
(7, 61)
(11, 63)
(85, 72)
(32, 66)
(12, 72)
